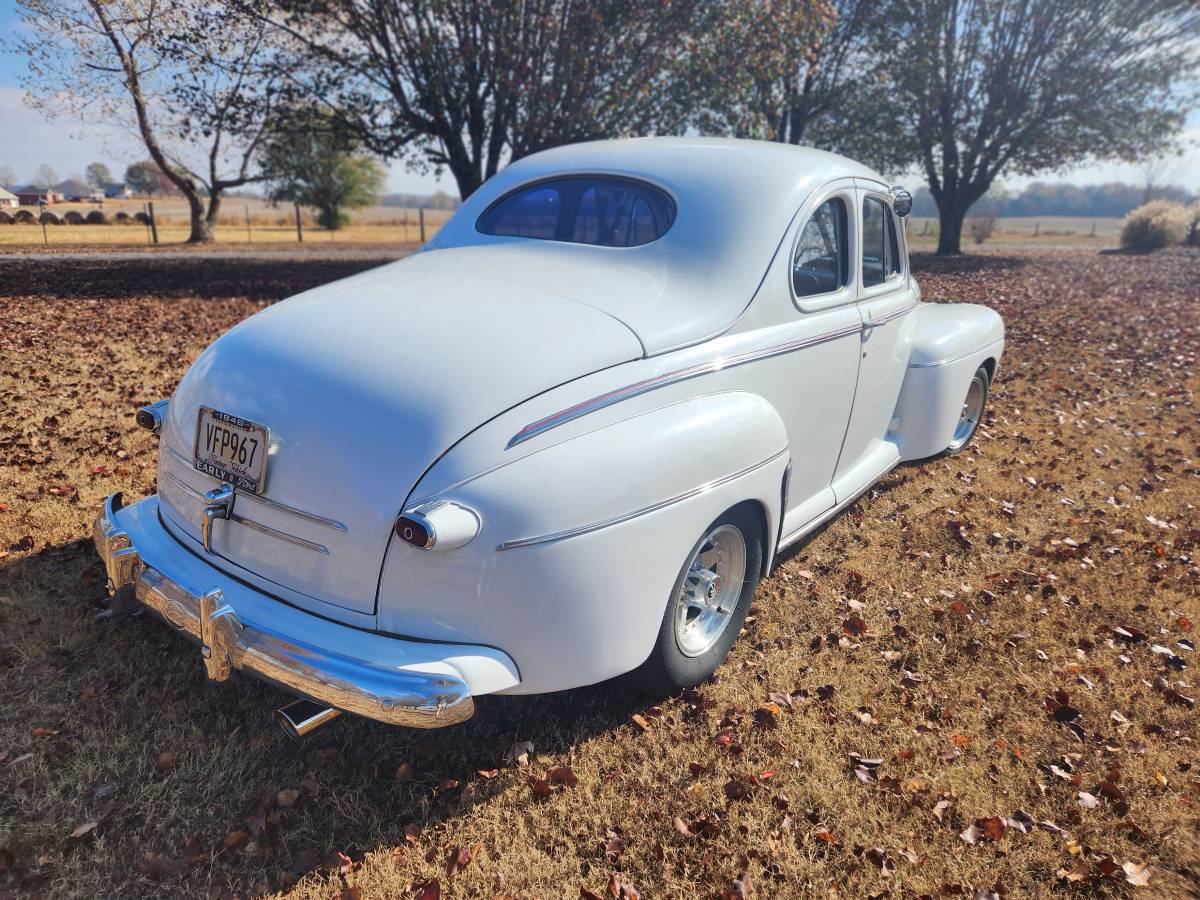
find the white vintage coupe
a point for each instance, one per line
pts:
(561, 443)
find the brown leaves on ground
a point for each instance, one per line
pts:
(983, 669)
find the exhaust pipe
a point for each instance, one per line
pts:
(303, 717)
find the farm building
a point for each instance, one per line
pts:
(32, 195)
(76, 191)
(8, 199)
(115, 190)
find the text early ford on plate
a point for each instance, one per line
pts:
(231, 449)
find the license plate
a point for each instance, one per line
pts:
(231, 449)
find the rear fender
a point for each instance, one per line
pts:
(581, 542)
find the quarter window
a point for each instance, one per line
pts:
(881, 254)
(606, 212)
(820, 264)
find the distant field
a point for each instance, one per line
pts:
(1048, 231)
(267, 224)
(400, 225)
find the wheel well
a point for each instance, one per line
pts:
(757, 508)
(990, 365)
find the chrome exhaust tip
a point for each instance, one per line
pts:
(302, 717)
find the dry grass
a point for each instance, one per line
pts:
(268, 225)
(1028, 232)
(985, 584)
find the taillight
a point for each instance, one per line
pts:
(440, 525)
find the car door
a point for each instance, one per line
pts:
(812, 384)
(886, 298)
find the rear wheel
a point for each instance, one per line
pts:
(707, 606)
(972, 412)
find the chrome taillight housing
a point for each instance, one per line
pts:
(440, 525)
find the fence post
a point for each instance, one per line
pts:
(153, 222)
(42, 219)
(249, 236)
(421, 217)
(299, 228)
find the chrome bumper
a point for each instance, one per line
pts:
(361, 686)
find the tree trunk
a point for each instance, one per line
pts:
(951, 213)
(202, 229)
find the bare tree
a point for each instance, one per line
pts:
(468, 85)
(8, 178)
(45, 177)
(185, 73)
(1156, 172)
(982, 87)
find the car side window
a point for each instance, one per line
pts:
(820, 263)
(880, 249)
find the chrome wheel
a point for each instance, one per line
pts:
(972, 411)
(710, 591)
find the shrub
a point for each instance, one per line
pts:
(982, 227)
(97, 217)
(50, 218)
(5, 218)
(1153, 225)
(73, 217)
(123, 217)
(1193, 229)
(25, 215)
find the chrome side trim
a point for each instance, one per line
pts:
(954, 359)
(250, 523)
(645, 510)
(281, 535)
(266, 501)
(894, 314)
(533, 429)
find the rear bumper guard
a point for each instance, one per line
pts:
(362, 687)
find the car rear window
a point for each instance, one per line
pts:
(605, 212)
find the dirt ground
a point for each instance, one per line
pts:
(976, 683)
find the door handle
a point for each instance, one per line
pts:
(874, 323)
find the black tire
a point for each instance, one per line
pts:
(962, 442)
(668, 669)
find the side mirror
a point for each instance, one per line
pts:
(901, 201)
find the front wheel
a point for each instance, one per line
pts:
(972, 412)
(707, 606)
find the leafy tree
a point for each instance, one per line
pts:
(147, 178)
(313, 167)
(45, 177)
(98, 175)
(794, 71)
(470, 85)
(188, 73)
(983, 87)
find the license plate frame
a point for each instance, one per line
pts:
(250, 477)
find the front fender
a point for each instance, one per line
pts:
(581, 541)
(952, 341)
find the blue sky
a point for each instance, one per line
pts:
(28, 139)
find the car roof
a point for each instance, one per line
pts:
(734, 202)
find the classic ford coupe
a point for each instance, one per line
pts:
(561, 443)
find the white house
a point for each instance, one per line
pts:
(8, 199)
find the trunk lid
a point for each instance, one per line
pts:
(363, 384)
